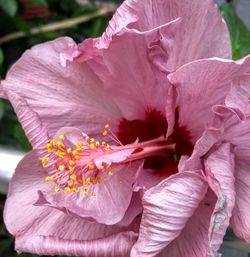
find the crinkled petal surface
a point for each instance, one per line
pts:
(220, 171)
(129, 72)
(44, 230)
(202, 32)
(204, 83)
(238, 133)
(193, 240)
(240, 220)
(30, 121)
(60, 96)
(167, 208)
(108, 205)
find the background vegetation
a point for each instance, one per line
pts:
(89, 20)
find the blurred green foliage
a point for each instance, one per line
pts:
(11, 13)
(240, 34)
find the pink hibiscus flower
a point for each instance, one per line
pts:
(174, 140)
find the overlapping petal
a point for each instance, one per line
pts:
(220, 167)
(238, 133)
(167, 208)
(193, 240)
(50, 231)
(109, 203)
(240, 220)
(128, 72)
(60, 96)
(201, 34)
(204, 83)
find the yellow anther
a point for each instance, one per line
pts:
(91, 140)
(61, 137)
(93, 193)
(49, 178)
(90, 166)
(69, 150)
(71, 183)
(52, 142)
(75, 190)
(107, 146)
(60, 154)
(79, 146)
(110, 173)
(103, 143)
(58, 181)
(44, 161)
(98, 179)
(97, 143)
(67, 189)
(61, 167)
(93, 181)
(84, 188)
(106, 126)
(59, 144)
(57, 189)
(73, 176)
(74, 152)
(104, 179)
(87, 138)
(71, 170)
(77, 157)
(88, 181)
(71, 162)
(49, 148)
(105, 133)
(86, 193)
(92, 146)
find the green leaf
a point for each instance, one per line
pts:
(1, 57)
(9, 7)
(20, 136)
(40, 2)
(240, 34)
(1, 109)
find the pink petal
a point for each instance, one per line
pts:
(134, 210)
(30, 121)
(45, 230)
(220, 171)
(205, 83)
(241, 220)
(111, 198)
(132, 81)
(202, 33)
(117, 245)
(209, 137)
(61, 96)
(69, 54)
(108, 206)
(237, 132)
(167, 208)
(193, 240)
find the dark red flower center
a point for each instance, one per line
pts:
(153, 126)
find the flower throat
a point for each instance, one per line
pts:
(91, 162)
